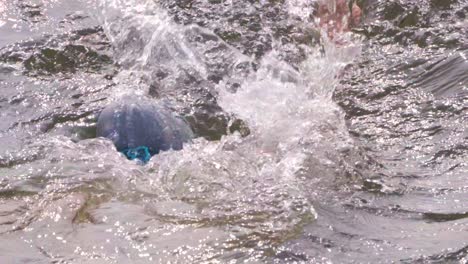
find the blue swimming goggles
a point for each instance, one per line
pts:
(141, 153)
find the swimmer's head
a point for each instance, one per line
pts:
(141, 128)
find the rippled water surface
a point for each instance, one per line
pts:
(314, 144)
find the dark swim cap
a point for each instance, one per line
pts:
(141, 128)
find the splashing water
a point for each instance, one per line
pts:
(248, 189)
(235, 199)
(274, 176)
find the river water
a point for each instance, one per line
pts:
(311, 147)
